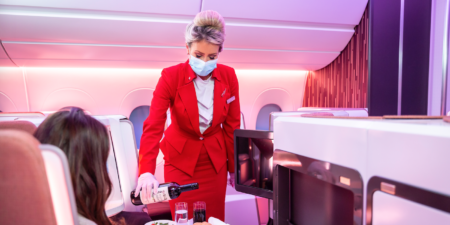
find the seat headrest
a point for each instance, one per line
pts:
(23, 176)
(22, 125)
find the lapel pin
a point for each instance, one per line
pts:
(224, 92)
(189, 78)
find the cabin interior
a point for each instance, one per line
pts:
(344, 104)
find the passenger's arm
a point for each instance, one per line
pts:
(232, 121)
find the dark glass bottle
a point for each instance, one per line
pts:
(166, 191)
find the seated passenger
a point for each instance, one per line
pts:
(85, 142)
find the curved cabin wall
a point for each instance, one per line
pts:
(106, 91)
(344, 82)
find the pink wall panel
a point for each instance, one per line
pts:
(64, 97)
(261, 87)
(343, 83)
(179, 7)
(101, 89)
(119, 91)
(6, 63)
(135, 98)
(4, 60)
(13, 95)
(331, 11)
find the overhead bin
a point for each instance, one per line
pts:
(285, 36)
(118, 28)
(325, 11)
(75, 54)
(91, 27)
(176, 7)
(149, 35)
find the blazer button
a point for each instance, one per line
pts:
(201, 138)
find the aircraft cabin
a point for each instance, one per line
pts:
(239, 112)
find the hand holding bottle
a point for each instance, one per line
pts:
(164, 192)
(148, 183)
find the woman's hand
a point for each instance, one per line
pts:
(231, 180)
(147, 182)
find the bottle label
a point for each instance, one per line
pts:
(162, 195)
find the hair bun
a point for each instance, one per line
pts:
(210, 18)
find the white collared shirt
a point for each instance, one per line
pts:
(204, 89)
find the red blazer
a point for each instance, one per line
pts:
(182, 139)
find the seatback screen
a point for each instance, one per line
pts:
(314, 201)
(254, 162)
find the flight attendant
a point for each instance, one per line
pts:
(203, 97)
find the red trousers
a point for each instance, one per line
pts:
(212, 186)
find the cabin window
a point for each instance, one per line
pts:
(137, 117)
(262, 121)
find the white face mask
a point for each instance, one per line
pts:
(201, 67)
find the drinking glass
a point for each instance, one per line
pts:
(181, 213)
(199, 212)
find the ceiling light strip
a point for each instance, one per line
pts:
(147, 17)
(89, 44)
(155, 46)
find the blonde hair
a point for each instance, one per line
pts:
(207, 25)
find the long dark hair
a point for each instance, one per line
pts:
(85, 142)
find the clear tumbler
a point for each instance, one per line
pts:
(181, 213)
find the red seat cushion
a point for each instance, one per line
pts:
(22, 125)
(24, 190)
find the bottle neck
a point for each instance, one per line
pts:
(188, 187)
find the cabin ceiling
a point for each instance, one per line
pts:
(261, 34)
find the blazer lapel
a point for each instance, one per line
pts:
(219, 101)
(189, 98)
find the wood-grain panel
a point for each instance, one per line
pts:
(343, 83)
